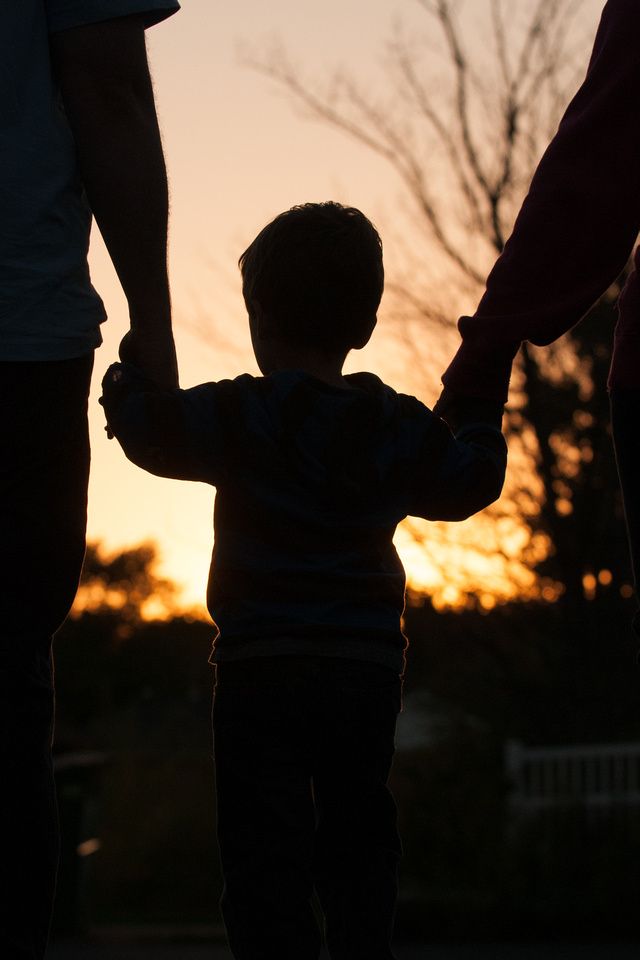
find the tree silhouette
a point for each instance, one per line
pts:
(464, 140)
(124, 582)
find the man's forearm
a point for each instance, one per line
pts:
(127, 179)
(108, 98)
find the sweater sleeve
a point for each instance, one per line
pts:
(454, 475)
(578, 224)
(181, 434)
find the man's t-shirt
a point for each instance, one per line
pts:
(311, 482)
(48, 307)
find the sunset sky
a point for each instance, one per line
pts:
(237, 154)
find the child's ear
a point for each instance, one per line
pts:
(262, 321)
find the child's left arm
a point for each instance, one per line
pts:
(461, 460)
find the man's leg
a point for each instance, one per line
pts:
(357, 843)
(625, 422)
(624, 393)
(265, 810)
(43, 482)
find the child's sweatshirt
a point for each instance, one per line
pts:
(311, 482)
(576, 229)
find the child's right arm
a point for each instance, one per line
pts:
(168, 432)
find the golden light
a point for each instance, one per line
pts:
(589, 584)
(586, 452)
(605, 577)
(483, 562)
(583, 419)
(551, 592)
(88, 847)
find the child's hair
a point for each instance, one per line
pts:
(316, 271)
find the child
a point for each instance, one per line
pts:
(313, 470)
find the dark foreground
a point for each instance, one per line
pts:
(122, 950)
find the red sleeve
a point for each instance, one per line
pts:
(577, 225)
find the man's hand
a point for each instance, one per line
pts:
(153, 352)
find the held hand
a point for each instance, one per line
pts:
(458, 410)
(444, 402)
(153, 352)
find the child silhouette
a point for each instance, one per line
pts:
(313, 469)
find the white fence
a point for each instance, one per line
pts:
(598, 777)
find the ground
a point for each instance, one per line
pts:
(121, 950)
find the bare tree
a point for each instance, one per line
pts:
(463, 135)
(467, 110)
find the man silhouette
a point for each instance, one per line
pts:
(78, 134)
(572, 239)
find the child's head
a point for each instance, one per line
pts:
(313, 279)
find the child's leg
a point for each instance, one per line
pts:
(265, 814)
(357, 844)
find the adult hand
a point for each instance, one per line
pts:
(153, 352)
(457, 410)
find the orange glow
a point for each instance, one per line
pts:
(589, 584)
(483, 562)
(87, 847)
(95, 598)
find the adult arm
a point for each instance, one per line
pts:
(103, 75)
(577, 226)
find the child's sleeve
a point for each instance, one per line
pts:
(456, 473)
(170, 433)
(578, 224)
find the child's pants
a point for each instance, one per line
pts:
(303, 749)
